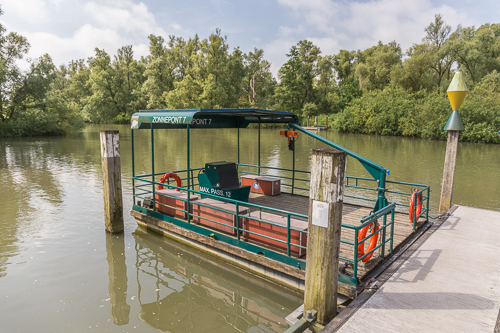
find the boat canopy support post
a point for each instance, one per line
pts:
(188, 180)
(238, 145)
(133, 166)
(153, 165)
(293, 167)
(258, 170)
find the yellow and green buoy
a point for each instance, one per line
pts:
(456, 93)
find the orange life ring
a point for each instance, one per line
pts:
(371, 245)
(168, 175)
(418, 205)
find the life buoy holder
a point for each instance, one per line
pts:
(178, 180)
(415, 205)
(371, 245)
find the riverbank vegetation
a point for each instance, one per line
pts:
(380, 90)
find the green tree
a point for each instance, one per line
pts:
(437, 34)
(297, 77)
(476, 51)
(415, 73)
(258, 76)
(347, 84)
(158, 72)
(375, 65)
(325, 89)
(114, 86)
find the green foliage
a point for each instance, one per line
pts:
(395, 111)
(297, 77)
(375, 65)
(28, 106)
(380, 90)
(481, 110)
(378, 112)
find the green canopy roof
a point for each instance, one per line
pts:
(208, 118)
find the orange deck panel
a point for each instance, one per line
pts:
(226, 217)
(276, 231)
(172, 198)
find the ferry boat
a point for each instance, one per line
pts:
(247, 216)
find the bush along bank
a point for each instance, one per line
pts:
(396, 111)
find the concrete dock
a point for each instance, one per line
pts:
(450, 283)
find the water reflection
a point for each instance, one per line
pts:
(182, 290)
(115, 251)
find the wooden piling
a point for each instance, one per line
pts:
(111, 181)
(450, 163)
(323, 240)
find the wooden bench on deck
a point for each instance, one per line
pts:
(173, 199)
(276, 231)
(201, 214)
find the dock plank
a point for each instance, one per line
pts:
(435, 290)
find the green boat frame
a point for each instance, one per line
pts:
(144, 185)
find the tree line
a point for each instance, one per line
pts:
(380, 90)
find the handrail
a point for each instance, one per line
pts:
(377, 171)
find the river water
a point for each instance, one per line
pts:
(60, 272)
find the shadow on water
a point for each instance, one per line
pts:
(183, 290)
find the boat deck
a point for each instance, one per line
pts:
(351, 214)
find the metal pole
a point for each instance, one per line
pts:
(383, 236)
(188, 184)
(258, 171)
(153, 166)
(427, 204)
(392, 231)
(288, 234)
(293, 166)
(133, 166)
(238, 146)
(237, 221)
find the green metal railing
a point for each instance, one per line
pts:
(370, 191)
(144, 190)
(356, 183)
(372, 219)
(385, 244)
(377, 171)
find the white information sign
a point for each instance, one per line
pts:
(320, 213)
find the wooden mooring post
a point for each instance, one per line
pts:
(456, 95)
(450, 163)
(323, 239)
(111, 181)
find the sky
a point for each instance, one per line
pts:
(71, 29)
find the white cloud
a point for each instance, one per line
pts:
(275, 52)
(318, 13)
(31, 10)
(358, 25)
(80, 45)
(108, 25)
(176, 26)
(388, 20)
(125, 16)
